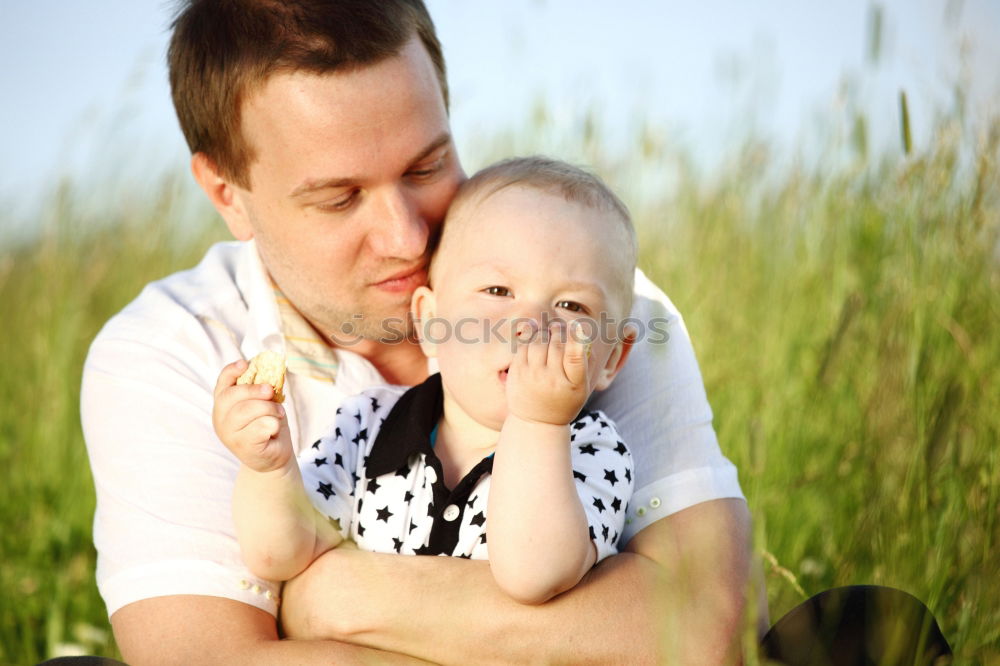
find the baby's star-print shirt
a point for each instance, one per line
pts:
(377, 476)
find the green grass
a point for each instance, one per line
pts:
(846, 324)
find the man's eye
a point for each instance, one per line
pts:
(427, 170)
(497, 291)
(337, 205)
(572, 306)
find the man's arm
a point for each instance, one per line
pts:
(193, 630)
(677, 594)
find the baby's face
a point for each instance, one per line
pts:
(520, 254)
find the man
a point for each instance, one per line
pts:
(319, 130)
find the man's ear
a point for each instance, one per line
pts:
(224, 196)
(423, 307)
(616, 360)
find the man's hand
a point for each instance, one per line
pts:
(249, 422)
(548, 378)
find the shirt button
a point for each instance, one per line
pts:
(451, 512)
(641, 511)
(655, 503)
(431, 475)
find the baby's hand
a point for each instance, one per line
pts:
(249, 423)
(548, 380)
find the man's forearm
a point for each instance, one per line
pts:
(192, 630)
(677, 595)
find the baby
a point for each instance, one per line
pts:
(525, 294)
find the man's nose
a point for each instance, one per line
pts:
(399, 230)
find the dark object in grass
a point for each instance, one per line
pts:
(858, 626)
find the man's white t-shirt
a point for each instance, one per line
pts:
(164, 481)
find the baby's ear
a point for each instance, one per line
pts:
(423, 308)
(616, 360)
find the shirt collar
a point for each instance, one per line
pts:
(263, 329)
(407, 428)
(276, 325)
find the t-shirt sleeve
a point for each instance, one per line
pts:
(658, 401)
(164, 482)
(603, 470)
(330, 465)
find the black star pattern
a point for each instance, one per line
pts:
(319, 462)
(472, 501)
(482, 538)
(580, 475)
(616, 504)
(610, 476)
(315, 444)
(465, 556)
(375, 405)
(355, 478)
(588, 448)
(358, 417)
(338, 460)
(337, 434)
(628, 475)
(325, 489)
(620, 448)
(579, 425)
(384, 514)
(360, 502)
(478, 520)
(403, 471)
(604, 424)
(614, 539)
(599, 504)
(407, 497)
(361, 530)
(593, 536)
(413, 526)
(362, 436)
(339, 410)
(397, 544)
(605, 530)
(572, 437)
(373, 485)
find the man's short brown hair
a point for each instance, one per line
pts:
(221, 50)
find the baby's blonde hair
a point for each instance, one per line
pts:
(554, 177)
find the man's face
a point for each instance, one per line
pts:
(353, 175)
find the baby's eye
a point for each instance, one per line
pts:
(572, 306)
(497, 291)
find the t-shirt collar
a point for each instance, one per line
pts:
(407, 428)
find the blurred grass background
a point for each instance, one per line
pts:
(844, 315)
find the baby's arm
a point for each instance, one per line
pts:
(279, 531)
(537, 530)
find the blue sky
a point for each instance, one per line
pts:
(85, 90)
